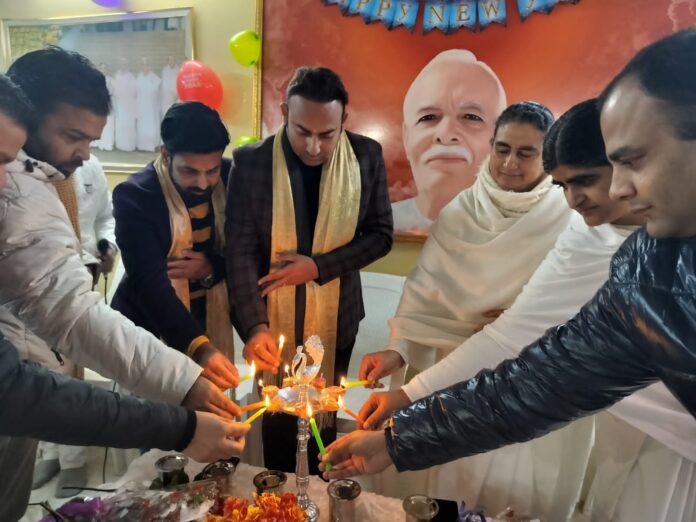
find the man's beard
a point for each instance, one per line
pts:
(195, 196)
(69, 168)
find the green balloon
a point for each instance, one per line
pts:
(246, 48)
(244, 140)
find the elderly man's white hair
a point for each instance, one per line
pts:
(457, 57)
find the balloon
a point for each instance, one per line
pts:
(246, 48)
(196, 81)
(244, 140)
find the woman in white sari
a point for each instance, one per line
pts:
(482, 249)
(645, 446)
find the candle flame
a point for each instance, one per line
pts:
(309, 410)
(268, 401)
(253, 367)
(260, 383)
(282, 342)
(287, 369)
(340, 402)
(343, 381)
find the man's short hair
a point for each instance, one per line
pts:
(666, 70)
(193, 127)
(575, 140)
(14, 104)
(317, 84)
(52, 76)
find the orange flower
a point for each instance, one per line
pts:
(267, 507)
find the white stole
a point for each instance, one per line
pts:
(482, 249)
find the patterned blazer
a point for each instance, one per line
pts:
(248, 230)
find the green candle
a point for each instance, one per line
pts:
(317, 436)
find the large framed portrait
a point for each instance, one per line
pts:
(140, 54)
(557, 59)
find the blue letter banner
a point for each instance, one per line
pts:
(405, 13)
(461, 13)
(491, 11)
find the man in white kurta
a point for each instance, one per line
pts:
(148, 109)
(483, 248)
(124, 108)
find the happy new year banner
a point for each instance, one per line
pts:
(447, 16)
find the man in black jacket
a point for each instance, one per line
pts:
(169, 227)
(308, 209)
(640, 326)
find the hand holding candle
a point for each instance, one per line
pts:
(317, 436)
(258, 413)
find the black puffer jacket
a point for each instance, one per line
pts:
(639, 327)
(40, 404)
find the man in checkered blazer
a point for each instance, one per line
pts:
(314, 114)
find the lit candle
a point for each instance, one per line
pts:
(317, 435)
(280, 345)
(251, 374)
(258, 413)
(287, 370)
(352, 384)
(343, 407)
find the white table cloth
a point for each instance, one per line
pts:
(369, 506)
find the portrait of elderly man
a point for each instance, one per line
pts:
(449, 114)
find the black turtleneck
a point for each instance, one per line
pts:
(305, 182)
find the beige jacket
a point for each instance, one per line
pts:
(45, 292)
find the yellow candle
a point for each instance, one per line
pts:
(343, 407)
(346, 384)
(251, 375)
(317, 435)
(258, 413)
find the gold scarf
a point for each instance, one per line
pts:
(337, 219)
(218, 326)
(68, 197)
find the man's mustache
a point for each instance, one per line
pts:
(439, 151)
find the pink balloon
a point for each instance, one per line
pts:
(196, 81)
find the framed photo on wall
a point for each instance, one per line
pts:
(139, 53)
(549, 58)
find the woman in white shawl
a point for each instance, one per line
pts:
(645, 446)
(482, 249)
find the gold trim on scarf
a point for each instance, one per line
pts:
(218, 326)
(68, 197)
(337, 219)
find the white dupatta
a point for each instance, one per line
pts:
(482, 249)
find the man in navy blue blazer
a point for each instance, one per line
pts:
(170, 229)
